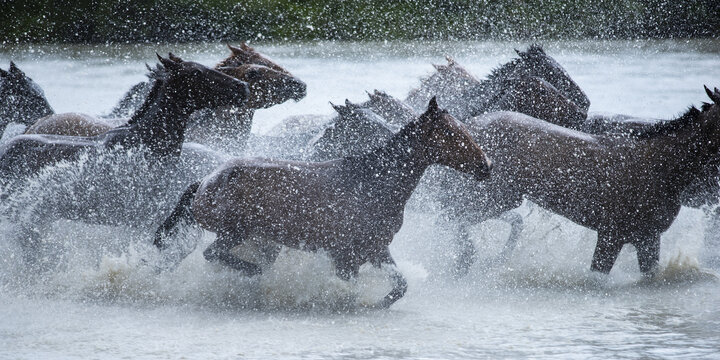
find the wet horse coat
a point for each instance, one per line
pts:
(627, 189)
(350, 207)
(156, 132)
(21, 99)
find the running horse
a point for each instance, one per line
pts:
(533, 83)
(350, 207)
(628, 189)
(21, 99)
(270, 84)
(159, 125)
(156, 131)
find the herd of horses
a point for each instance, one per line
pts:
(341, 184)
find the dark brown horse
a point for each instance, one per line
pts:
(534, 83)
(159, 126)
(21, 99)
(270, 84)
(350, 207)
(628, 189)
(91, 190)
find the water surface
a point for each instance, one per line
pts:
(543, 303)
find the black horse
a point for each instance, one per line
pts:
(628, 189)
(21, 99)
(227, 128)
(350, 207)
(153, 137)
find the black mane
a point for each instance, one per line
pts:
(158, 77)
(503, 71)
(399, 144)
(670, 127)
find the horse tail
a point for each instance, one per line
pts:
(182, 213)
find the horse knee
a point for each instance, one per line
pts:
(648, 254)
(211, 253)
(606, 252)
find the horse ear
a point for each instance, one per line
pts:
(450, 60)
(175, 58)
(246, 47)
(714, 96)
(336, 107)
(523, 54)
(342, 110)
(433, 105)
(350, 106)
(234, 50)
(167, 63)
(440, 67)
(14, 70)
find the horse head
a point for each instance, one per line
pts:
(450, 84)
(534, 62)
(449, 143)
(247, 55)
(267, 86)
(452, 77)
(355, 130)
(23, 101)
(392, 109)
(201, 87)
(709, 118)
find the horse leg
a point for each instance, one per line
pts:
(501, 208)
(648, 253)
(219, 251)
(516, 227)
(30, 241)
(399, 282)
(467, 252)
(607, 250)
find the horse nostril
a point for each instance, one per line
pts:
(300, 90)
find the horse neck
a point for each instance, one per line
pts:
(391, 173)
(161, 121)
(684, 153)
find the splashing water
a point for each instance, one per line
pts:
(104, 296)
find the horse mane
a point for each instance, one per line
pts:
(399, 142)
(502, 72)
(157, 76)
(670, 127)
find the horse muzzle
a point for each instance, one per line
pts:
(242, 93)
(298, 90)
(483, 169)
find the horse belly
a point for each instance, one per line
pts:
(293, 213)
(25, 156)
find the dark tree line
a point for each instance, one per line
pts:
(97, 21)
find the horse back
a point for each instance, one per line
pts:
(25, 155)
(70, 124)
(586, 178)
(268, 197)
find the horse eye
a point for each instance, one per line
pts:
(253, 75)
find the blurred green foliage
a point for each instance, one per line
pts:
(97, 21)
